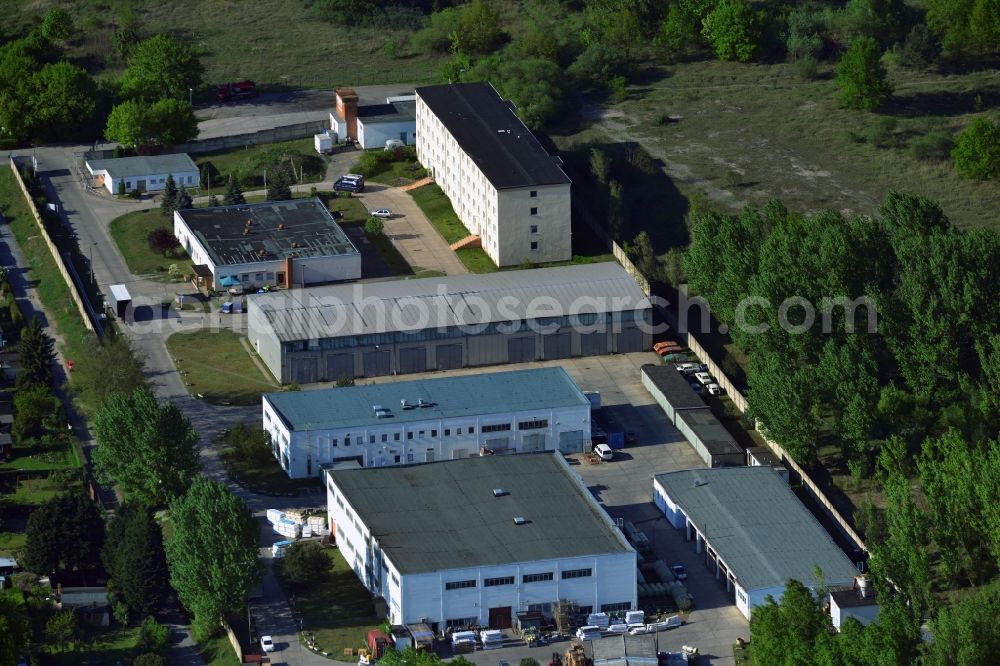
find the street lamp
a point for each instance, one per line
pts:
(190, 97)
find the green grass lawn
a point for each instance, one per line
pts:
(100, 645)
(217, 651)
(11, 543)
(130, 232)
(215, 365)
(338, 609)
(33, 461)
(397, 172)
(439, 211)
(244, 163)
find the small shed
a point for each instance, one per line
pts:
(423, 637)
(120, 300)
(528, 620)
(377, 643)
(401, 638)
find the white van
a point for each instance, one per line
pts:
(604, 452)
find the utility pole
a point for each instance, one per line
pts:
(265, 184)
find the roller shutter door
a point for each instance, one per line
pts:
(571, 441)
(520, 350)
(449, 357)
(534, 442)
(339, 365)
(630, 340)
(594, 344)
(303, 370)
(412, 359)
(378, 362)
(557, 345)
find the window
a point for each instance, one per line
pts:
(534, 228)
(447, 432)
(585, 610)
(534, 211)
(347, 440)
(537, 424)
(395, 436)
(371, 439)
(409, 435)
(612, 608)
(459, 584)
(495, 582)
(340, 501)
(421, 433)
(461, 622)
(385, 437)
(496, 427)
(333, 441)
(536, 578)
(472, 430)
(534, 245)
(534, 194)
(409, 457)
(434, 433)
(395, 580)
(396, 459)
(459, 431)
(258, 277)
(577, 573)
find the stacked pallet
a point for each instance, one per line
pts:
(463, 642)
(599, 620)
(564, 614)
(491, 638)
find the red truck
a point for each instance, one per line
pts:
(237, 90)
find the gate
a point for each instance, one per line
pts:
(449, 357)
(304, 370)
(412, 359)
(557, 345)
(594, 344)
(630, 340)
(339, 365)
(500, 617)
(520, 350)
(377, 362)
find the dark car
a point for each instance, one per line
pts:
(349, 183)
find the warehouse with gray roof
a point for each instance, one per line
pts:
(753, 532)
(442, 418)
(407, 326)
(473, 541)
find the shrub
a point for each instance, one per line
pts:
(153, 636)
(374, 226)
(935, 145)
(121, 188)
(162, 241)
(977, 150)
(305, 563)
(882, 133)
(807, 68)
(435, 37)
(368, 164)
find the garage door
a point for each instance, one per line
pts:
(630, 340)
(594, 344)
(571, 441)
(498, 444)
(412, 359)
(449, 357)
(557, 345)
(303, 370)
(533, 442)
(520, 350)
(339, 365)
(378, 362)
(500, 618)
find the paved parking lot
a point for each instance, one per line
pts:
(624, 487)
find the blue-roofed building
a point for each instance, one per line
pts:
(444, 418)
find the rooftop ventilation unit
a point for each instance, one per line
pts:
(698, 483)
(520, 520)
(381, 412)
(499, 492)
(405, 404)
(424, 403)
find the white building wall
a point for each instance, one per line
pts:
(502, 219)
(374, 135)
(863, 614)
(155, 182)
(675, 516)
(302, 452)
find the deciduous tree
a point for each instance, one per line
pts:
(735, 30)
(212, 554)
(863, 80)
(977, 150)
(14, 630)
(63, 99)
(150, 450)
(479, 30)
(57, 25)
(161, 67)
(172, 122)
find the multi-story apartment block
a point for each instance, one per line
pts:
(504, 186)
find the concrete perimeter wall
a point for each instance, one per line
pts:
(56, 256)
(286, 133)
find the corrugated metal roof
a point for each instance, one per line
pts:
(444, 515)
(144, 165)
(451, 396)
(460, 300)
(751, 518)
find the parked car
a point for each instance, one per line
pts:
(687, 368)
(236, 90)
(703, 378)
(350, 183)
(679, 572)
(382, 212)
(604, 452)
(714, 389)
(267, 644)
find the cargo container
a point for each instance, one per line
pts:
(595, 399)
(120, 301)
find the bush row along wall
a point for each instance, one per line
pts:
(56, 255)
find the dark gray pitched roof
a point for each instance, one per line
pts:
(490, 133)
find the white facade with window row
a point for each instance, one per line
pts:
(470, 415)
(397, 564)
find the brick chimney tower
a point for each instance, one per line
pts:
(347, 108)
